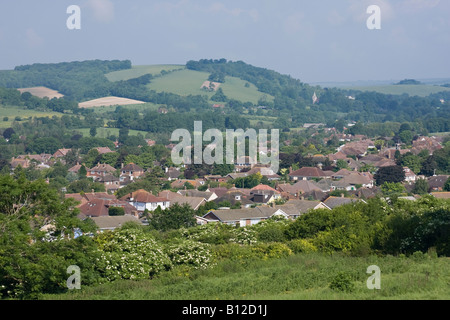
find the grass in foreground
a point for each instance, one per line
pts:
(298, 277)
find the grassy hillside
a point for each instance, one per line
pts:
(412, 90)
(298, 277)
(189, 82)
(138, 71)
(13, 111)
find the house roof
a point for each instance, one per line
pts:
(108, 222)
(238, 214)
(333, 202)
(195, 193)
(441, 195)
(132, 167)
(302, 206)
(143, 196)
(94, 208)
(103, 150)
(103, 167)
(263, 187)
(437, 181)
(308, 172)
(219, 191)
(193, 202)
(291, 208)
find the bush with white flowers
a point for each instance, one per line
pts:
(190, 253)
(131, 254)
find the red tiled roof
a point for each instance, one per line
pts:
(308, 172)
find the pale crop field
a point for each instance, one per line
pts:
(42, 92)
(109, 101)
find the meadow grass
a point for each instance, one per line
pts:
(188, 82)
(138, 71)
(14, 111)
(297, 277)
(106, 132)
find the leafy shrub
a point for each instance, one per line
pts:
(212, 233)
(191, 253)
(301, 246)
(130, 254)
(243, 235)
(342, 282)
(272, 251)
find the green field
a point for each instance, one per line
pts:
(189, 82)
(13, 111)
(412, 90)
(297, 277)
(138, 71)
(105, 132)
(141, 108)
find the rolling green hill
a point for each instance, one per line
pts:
(422, 90)
(188, 82)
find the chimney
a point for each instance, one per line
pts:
(342, 195)
(121, 166)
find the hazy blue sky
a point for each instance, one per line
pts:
(315, 40)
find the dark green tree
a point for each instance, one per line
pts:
(393, 174)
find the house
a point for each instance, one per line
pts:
(341, 174)
(24, 163)
(76, 168)
(108, 223)
(103, 150)
(437, 183)
(207, 195)
(247, 217)
(131, 171)
(234, 196)
(265, 171)
(295, 190)
(441, 195)
(426, 143)
(179, 184)
(410, 176)
(172, 173)
(264, 194)
(353, 181)
(143, 200)
(100, 207)
(60, 153)
(307, 173)
(216, 178)
(241, 217)
(333, 202)
(100, 170)
(220, 191)
(111, 183)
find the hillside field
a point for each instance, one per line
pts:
(11, 112)
(188, 82)
(109, 101)
(42, 92)
(139, 71)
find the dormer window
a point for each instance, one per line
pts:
(237, 198)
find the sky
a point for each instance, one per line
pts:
(314, 40)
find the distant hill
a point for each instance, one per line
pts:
(408, 82)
